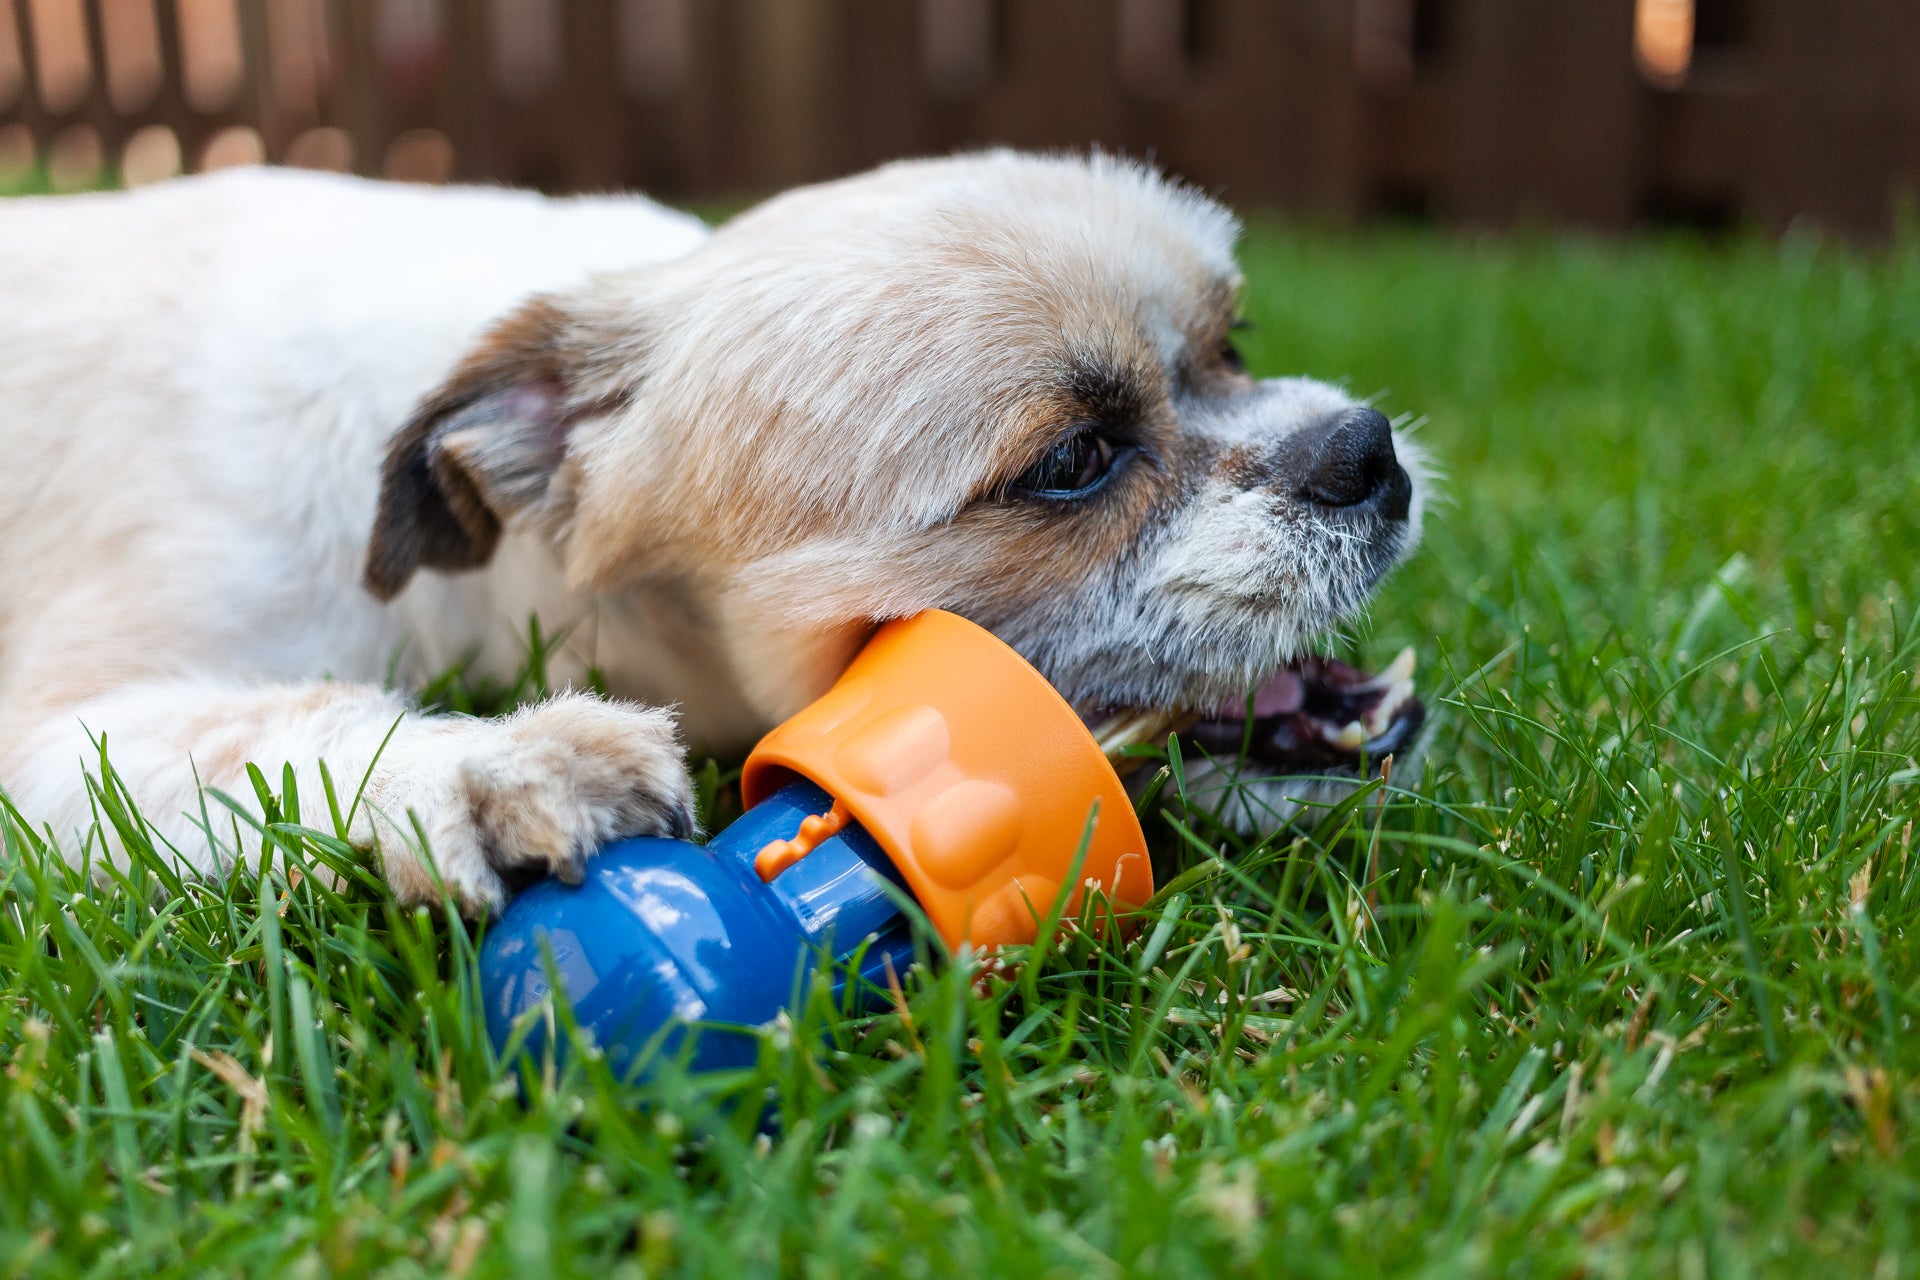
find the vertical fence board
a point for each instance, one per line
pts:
(1058, 82)
(1840, 114)
(466, 94)
(594, 122)
(169, 105)
(1702, 140)
(12, 91)
(353, 98)
(1550, 113)
(1269, 109)
(884, 106)
(524, 126)
(784, 99)
(96, 110)
(29, 109)
(708, 158)
(665, 120)
(254, 102)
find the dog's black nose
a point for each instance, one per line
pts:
(1352, 464)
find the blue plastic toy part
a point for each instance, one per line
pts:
(663, 934)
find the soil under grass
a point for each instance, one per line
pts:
(1623, 983)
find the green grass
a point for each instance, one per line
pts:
(1624, 985)
(32, 181)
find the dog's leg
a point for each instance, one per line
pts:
(531, 793)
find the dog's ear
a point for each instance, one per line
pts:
(481, 447)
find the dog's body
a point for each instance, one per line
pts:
(270, 441)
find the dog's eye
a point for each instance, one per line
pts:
(1074, 467)
(1229, 353)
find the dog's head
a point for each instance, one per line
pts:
(1000, 384)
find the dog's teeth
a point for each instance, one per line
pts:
(1399, 671)
(1380, 718)
(1351, 737)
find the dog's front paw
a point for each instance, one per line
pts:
(535, 794)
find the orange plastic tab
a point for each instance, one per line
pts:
(973, 774)
(778, 855)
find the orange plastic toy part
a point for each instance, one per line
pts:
(971, 771)
(777, 855)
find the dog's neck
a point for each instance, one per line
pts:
(655, 644)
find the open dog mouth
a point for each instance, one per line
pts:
(1316, 716)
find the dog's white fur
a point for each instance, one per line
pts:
(712, 460)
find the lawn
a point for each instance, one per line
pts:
(1622, 983)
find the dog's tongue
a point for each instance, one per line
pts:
(1282, 695)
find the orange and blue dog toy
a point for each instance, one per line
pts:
(940, 766)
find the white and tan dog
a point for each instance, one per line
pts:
(272, 441)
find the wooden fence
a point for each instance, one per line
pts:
(1603, 113)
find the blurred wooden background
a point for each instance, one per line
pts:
(1601, 113)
